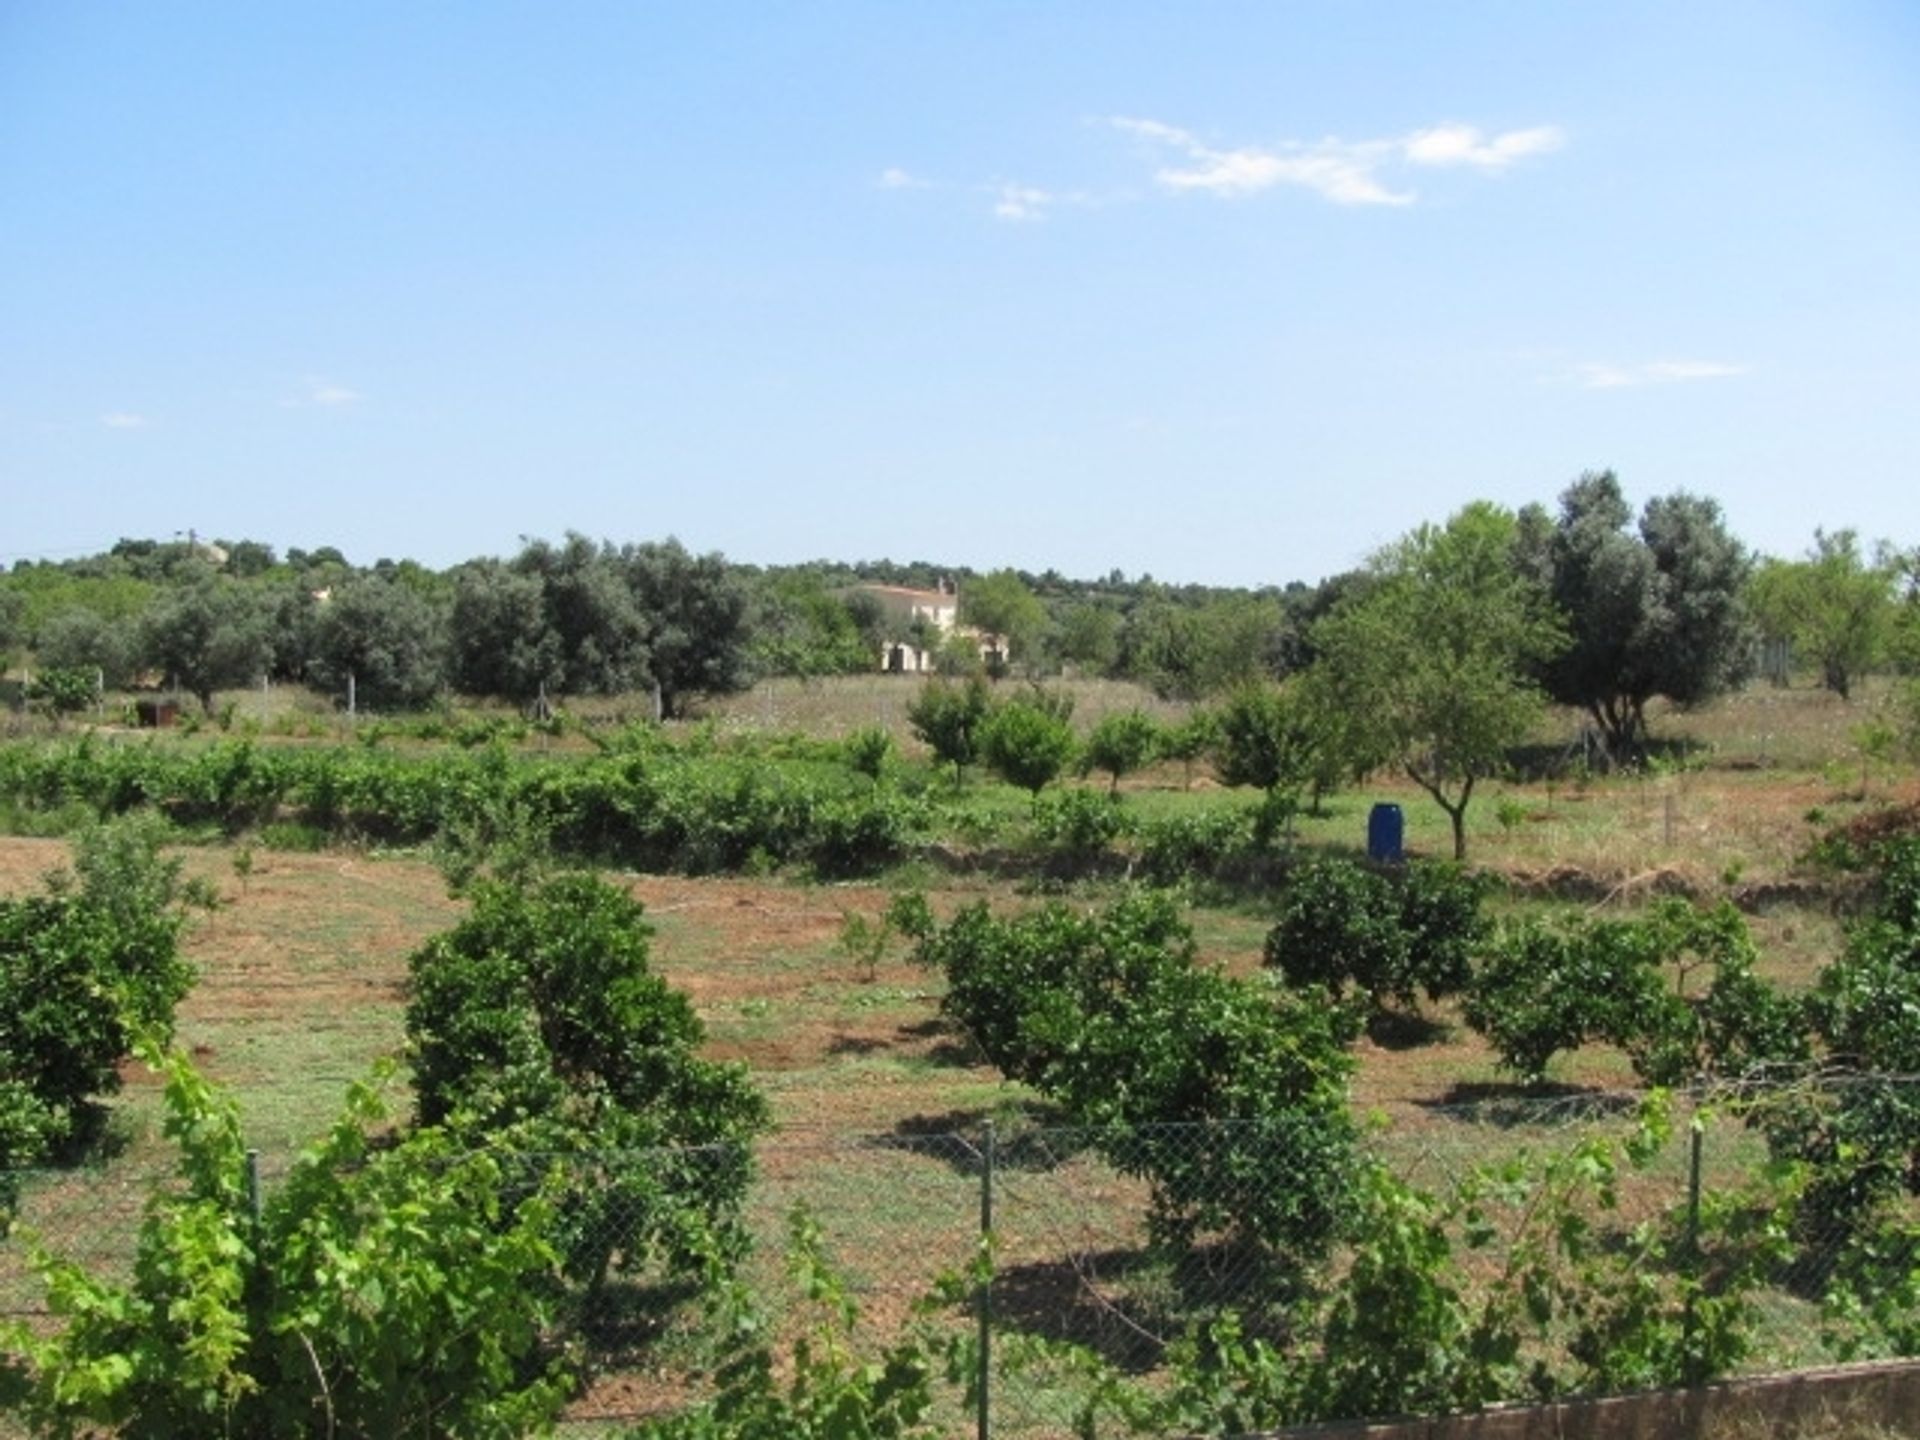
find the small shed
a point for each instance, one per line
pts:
(156, 714)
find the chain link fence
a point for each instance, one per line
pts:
(1075, 1258)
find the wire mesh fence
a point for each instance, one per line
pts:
(1078, 1257)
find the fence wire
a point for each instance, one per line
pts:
(1076, 1256)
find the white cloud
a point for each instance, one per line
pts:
(323, 393)
(1154, 130)
(1463, 145)
(1344, 172)
(123, 420)
(1022, 202)
(1347, 172)
(1341, 172)
(1600, 375)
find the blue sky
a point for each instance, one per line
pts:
(1224, 293)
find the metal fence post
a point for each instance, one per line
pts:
(985, 1378)
(1697, 1138)
(253, 1190)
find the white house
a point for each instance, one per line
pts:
(932, 616)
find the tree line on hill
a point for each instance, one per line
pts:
(1599, 612)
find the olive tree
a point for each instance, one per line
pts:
(499, 640)
(1660, 612)
(599, 636)
(208, 634)
(80, 639)
(694, 620)
(384, 639)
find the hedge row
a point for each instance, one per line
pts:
(656, 810)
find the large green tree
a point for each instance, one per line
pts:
(1434, 661)
(499, 641)
(1837, 606)
(1003, 606)
(1658, 612)
(599, 633)
(1192, 651)
(83, 640)
(13, 612)
(693, 621)
(209, 634)
(804, 628)
(384, 639)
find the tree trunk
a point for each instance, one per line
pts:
(1456, 810)
(1619, 720)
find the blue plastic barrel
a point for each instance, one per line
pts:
(1386, 834)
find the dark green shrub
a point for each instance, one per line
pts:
(1232, 1106)
(1440, 915)
(536, 1024)
(1338, 925)
(85, 971)
(1552, 985)
(1078, 825)
(1388, 937)
(1859, 1130)
(1198, 845)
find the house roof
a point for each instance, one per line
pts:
(907, 592)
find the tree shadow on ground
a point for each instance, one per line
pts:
(1128, 1305)
(1566, 759)
(621, 1319)
(1511, 1104)
(954, 1048)
(1034, 1137)
(857, 1045)
(1405, 1029)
